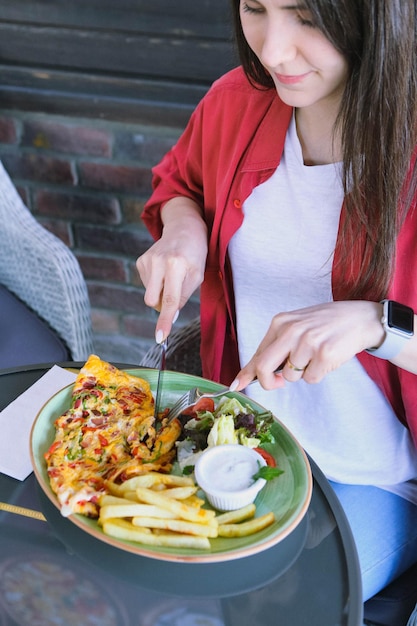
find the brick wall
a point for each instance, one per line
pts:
(86, 181)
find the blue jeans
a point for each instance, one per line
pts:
(384, 527)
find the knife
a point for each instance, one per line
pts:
(162, 365)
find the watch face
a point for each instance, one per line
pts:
(400, 317)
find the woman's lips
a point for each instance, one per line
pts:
(287, 79)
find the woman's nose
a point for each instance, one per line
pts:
(278, 45)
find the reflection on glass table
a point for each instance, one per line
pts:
(50, 568)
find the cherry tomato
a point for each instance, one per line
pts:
(268, 457)
(204, 404)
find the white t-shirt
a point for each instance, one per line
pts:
(281, 260)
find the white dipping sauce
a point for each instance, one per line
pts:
(232, 474)
(225, 473)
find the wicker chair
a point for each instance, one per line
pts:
(42, 272)
(183, 352)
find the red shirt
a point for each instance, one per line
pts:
(234, 142)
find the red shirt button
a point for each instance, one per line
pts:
(237, 203)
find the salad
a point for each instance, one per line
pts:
(206, 424)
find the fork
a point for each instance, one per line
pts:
(193, 395)
(188, 399)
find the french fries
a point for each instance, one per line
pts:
(233, 517)
(133, 509)
(124, 530)
(164, 510)
(181, 526)
(246, 528)
(183, 511)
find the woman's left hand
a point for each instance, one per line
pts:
(312, 342)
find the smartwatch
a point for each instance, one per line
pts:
(398, 322)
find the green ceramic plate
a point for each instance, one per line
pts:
(288, 496)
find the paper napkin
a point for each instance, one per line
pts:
(17, 418)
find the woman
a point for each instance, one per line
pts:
(291, 199)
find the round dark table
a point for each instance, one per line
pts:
(311, 578)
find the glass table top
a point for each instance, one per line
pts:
(50, 567)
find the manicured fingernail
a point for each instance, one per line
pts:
(234, 385)
(159, 336)
(175, 317)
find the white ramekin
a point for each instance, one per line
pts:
(224, 474)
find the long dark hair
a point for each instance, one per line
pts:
(377, 122)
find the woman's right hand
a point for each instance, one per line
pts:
(173, 267)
